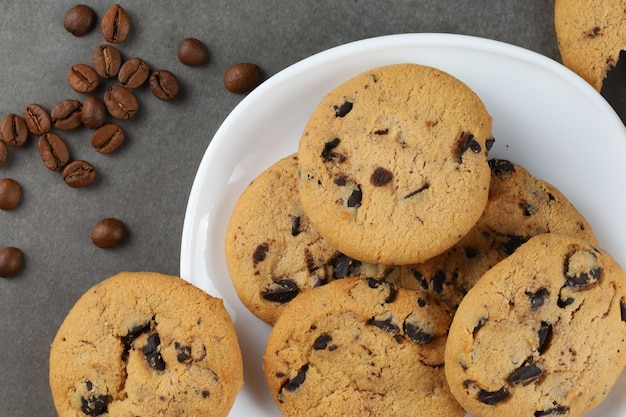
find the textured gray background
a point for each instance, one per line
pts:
(147, 181)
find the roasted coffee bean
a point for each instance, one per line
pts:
(4, 152)
(133, 73)
(242, 78)
(107, 138)
(53, 151)
(108, 232)
(281, 291)
(295, 382)
(192, 52)
(65, 115)
(120, 102)
(82, 78)
(13, 130)
(79, 20)
(10, 193)
(417, 335)
(115, 24)
(11, 261)
(37, 119)
(93, 113)
(107, 61)
(163, 85)
(78, 174)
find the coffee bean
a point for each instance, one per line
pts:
(82, 78)
(108, 232)
(120, 102)
(115, 24)
(11, 261)
(78, 174)
(242, 78)
(13, 130)
(53, 151)
(107, 138)
(192, 52)
(164, 85)
(10, 193)
(79, 20)
(65, 115)
(94, 112)
(107, 61)
(37, 119)
(133, 73)
(4, 152)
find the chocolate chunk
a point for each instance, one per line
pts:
(489, 143)
(381, 176)
(416, 192)
(94, 405)
(556, 410)
(260, 253)
(322, 341)
(340, 181)
(417, 334)
(537, 298)
(470, 253)
(419, 277)
(545, 336)
(281, 291)
(466, 142)
(385, 325)
(329, 155)
(525, 374)
(561, 302)
(355, 198)
(309, 261)
(343, 109)
(132, 334)
(343, 266)
(152, 353)
(295, 382)
(438, 280)
(375, 283)
(493, 397)
(622, 309)
(582, 270)
(527, 209)
(381, 132)
(501, 166)
(206, 394)
(481, 323)
(513, 243)
(183, 353)
(295, 226)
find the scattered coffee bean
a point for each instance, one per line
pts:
(37, 119)
(108, 232)
(10, 193)
(53, 151)
(78, 174)
(242, 78)
(13, 130)
(79, 20)
(82, 78)
(107, 138)
(115, 24)
(65, 115)
(120, 102)
(133, 73)
(4, 152)
(11, 261)
(192, 52)
(107, 61)
(93, 113)
(164, 85)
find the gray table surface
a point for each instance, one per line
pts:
(147, 181)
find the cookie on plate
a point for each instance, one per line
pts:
(393, 164)
(274, 253)
(360, 347)
(519, 207)
(591, 34)
(145, 344)
(541, 333)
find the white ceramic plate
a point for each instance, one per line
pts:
(545, 118)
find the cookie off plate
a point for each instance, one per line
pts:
(545, 118)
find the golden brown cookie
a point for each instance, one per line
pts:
(393, 164)
(145, 344)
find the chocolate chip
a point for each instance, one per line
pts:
(545, 336)
(466, 142)
(582, 270)
(309, 261)
(481, 323)
(206, 394)
(152, 353)
(322, 341)
(501, 166)
(343, 109)
(593, 33)
(489, 143)
(527, 209)
(260, 253)
(513, 243)
(525, 374)
(343, 266)
(295, 382)
(281, 291)
(355, 198)
(94, 405)
(340, 181)
(416, 192)
(564, 302)
(438, 280)
(183, 353)
(329, 155)
(556, 410)
(417, 334)
(376, 283)
(419, 277)
(381, 132)
(295, 226)
(385, 325)
(381, 176)
(493, 397)
(622, 309)
(537, 298)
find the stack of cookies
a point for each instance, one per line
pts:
(406, 273)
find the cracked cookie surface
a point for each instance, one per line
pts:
(145, 344)
(393, 164)
(542, 333)
(360, 347)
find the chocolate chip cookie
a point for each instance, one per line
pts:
(393, 164)
(541, 333)
(360, 347)
(519, 207)
(145, 344)
(274, 253)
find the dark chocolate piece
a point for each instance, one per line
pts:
(343, 109)
(493, 397)
(281, 291)
(417, 334)
(152, 353)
